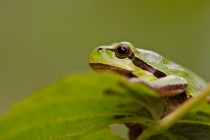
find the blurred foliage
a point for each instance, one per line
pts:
(43, 40)
(65, 111)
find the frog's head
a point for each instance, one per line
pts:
(116, 58)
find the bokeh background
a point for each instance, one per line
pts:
(43, 40)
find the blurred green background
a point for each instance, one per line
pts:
(43, 40)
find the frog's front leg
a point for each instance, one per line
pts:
(167, 86)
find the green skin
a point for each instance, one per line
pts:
(161, 74)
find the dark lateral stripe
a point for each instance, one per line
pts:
(143, 65)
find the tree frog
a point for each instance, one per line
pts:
(164, 76)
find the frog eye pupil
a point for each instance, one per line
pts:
(122, 49)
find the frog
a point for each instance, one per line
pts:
(174, 83)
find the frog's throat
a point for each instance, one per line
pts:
(107, 68)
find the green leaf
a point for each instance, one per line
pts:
(196, 125)
(104, 134)
(79, 105)
(85, 106)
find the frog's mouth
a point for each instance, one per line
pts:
(99, 67)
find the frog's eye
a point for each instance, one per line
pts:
(122, 51)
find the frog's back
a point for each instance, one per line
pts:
(195, 83)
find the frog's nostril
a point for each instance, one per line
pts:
(99, 49)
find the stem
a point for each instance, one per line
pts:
(173, 117)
